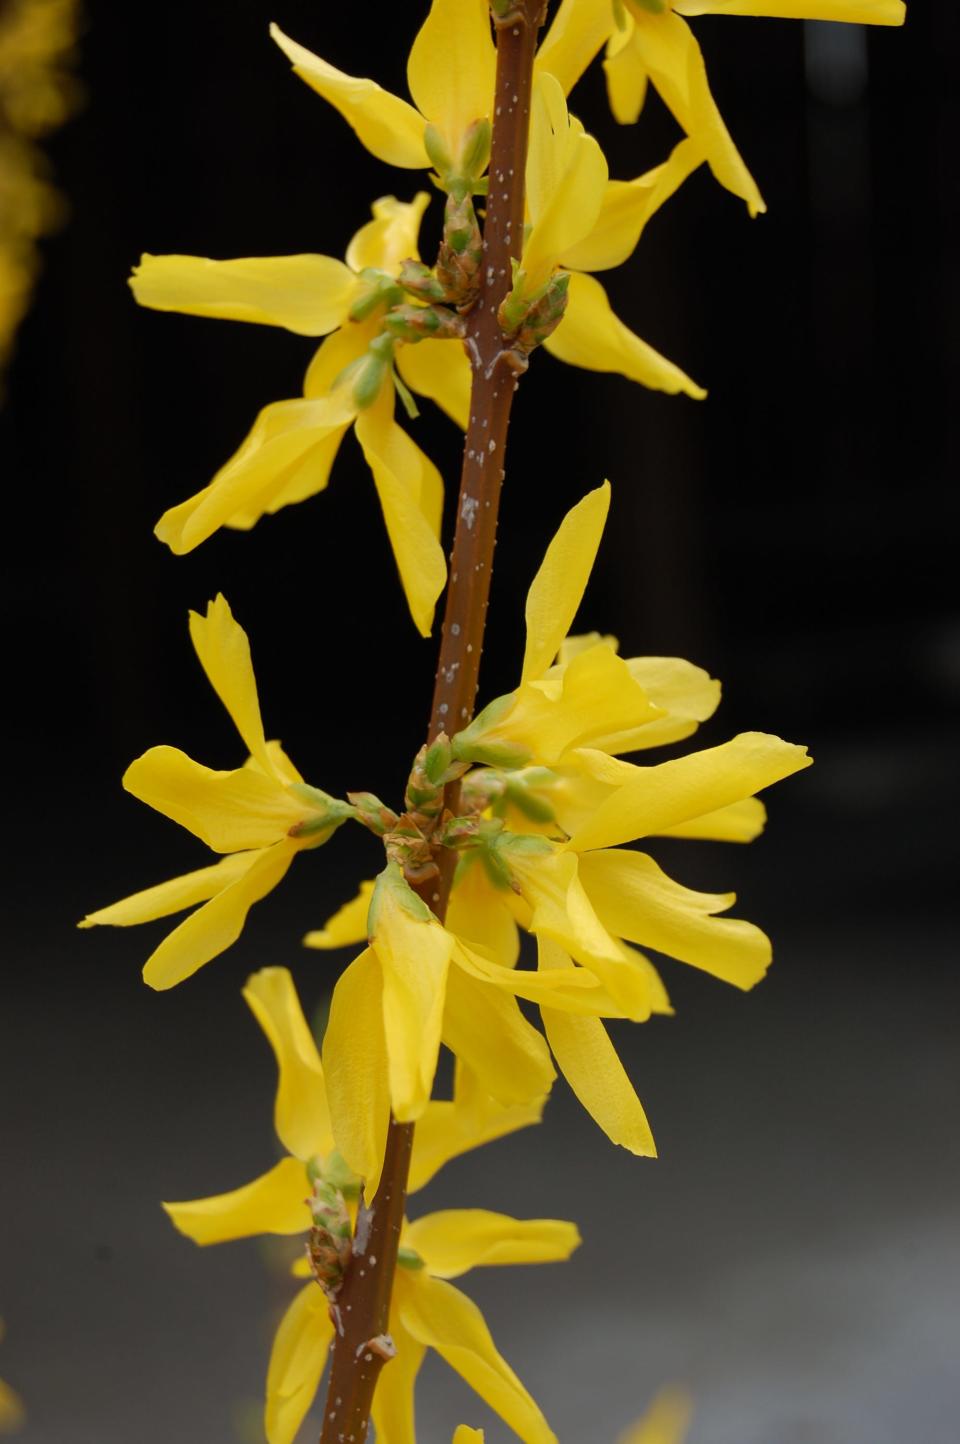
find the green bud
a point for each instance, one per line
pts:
(460, 832)
(437, 758)
(413, 323)
(329, 811)
(373, 813)
(380, 289)
(419, 280)
(436, 149)
(371, 371)
(530, 320)
(461, 251)
(475, 151)
(408, 1258)
(475, 744)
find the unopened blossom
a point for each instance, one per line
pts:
(288, 455)
(649, 42)
(260, 815)
(426, 1311)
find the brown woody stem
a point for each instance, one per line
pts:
(364, 1299)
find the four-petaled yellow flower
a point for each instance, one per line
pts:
(427, 1311)
(260, 815)
(649, 41)
(289, 453)
(560, 872)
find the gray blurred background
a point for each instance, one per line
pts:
(792, 1257)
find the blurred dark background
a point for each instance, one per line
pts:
(790, 1255)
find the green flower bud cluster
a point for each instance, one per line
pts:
(529, 320)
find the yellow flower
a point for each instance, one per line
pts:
(289, 453)
(649, 41)
(665, 1422)
(578, 221)
(426, 1310)
(450, 73)
(12, 1413)
(260, 815)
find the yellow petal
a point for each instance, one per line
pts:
(348, 925)
(393, 1413)
(634, 898)
(389, 128)
(456, 1240)
(858, 12)
(675, 792)
(229, 811)
(414, 954)
(589, 1062)
(170, 897)
(12, 1412)
(355, 1069)
(407, 484)
(214, 927)
(576, 992)
(463, 1434)
(566, 178)
(592, 337)
(577, 33)
(626, 75)
(391, 237)
(292, 442)
(273, 1203)
(562, 912)
(470, 1119)
(557, 590)
(444, 1319)
(670, 53)
(439, 370)
(665, 1422)
(627, 207)
(486, 1029)
(687, 694)
(477, 914)
(301, 1116)
(297, 1362)
(310, 295)
(596, 695)
(223, 649)
(740, 822)
(451, 68)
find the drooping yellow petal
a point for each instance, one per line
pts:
(635, 899)
(625, 74)
(389, 128)
(687, 694)
(444, 1319)
(557, 590)
(566, 178)
(857, 12)
(627, 207)
(577, 33)
(665, 1422)
(562, 912)
(296, 1363)
(301, 1116)
(291, 443)
(393, 1413)
(463, 1434)
(486, 1029)
(669, 52)
(391, 237)
(347, 926)
(229, 811)
(217, 924)
(471, 1119)
(589, 1062)
(440, 371)
(273, 1203)
(309, 295)
(170, 897)
(576, 992)
(451, 68)
(592, 337)
(478, 914)
(407, 484)
(456, 1240)
(674, 792)
(414, 954)
(355, 1069)
(223, 649)
(740, 822)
